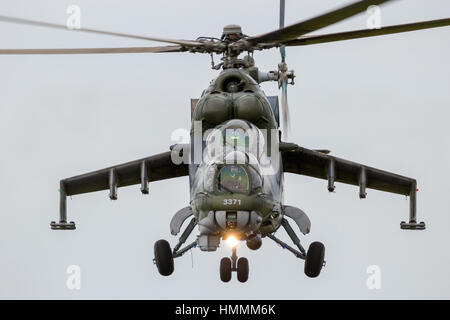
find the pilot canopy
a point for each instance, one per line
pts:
(232, 160)
(235, 141)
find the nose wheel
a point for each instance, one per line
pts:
(242, 269)
(228, 265)
(225, 269)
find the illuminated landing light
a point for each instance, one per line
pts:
(232, 241)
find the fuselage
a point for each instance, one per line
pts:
(236, 178)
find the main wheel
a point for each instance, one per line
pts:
(242, 269)
(225, 269)
(163, 257)
(314, 259)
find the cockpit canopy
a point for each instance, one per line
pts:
(235, 161)
(231, 178)
(234, 136)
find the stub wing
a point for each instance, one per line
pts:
(316, 164)
(142, 171)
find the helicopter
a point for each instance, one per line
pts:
(237, 155)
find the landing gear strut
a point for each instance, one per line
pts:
(164, 255)
(314, 258)
(228, 265)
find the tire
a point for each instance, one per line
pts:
(242, 269)
(225, 269)
(163, 257)
(314, 259)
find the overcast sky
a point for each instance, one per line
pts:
(382, 101)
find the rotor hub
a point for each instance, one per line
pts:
(232, 32)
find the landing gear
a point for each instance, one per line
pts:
(242, 269)
(163, 257)
(225, 269)
(314, 259)
(228, 265)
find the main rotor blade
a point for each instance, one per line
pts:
(94, 50)
(365, 33)
(187, 43)
(296, 30)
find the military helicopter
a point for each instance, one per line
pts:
(236, 158)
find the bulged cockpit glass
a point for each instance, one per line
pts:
(234, 135)
(233, 178)
(235, 161)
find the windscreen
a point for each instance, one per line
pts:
(237, 138)
(233, 178)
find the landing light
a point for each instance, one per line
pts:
(232, 241)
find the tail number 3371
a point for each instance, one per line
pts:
(230, 202)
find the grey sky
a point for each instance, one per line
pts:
(382, 101)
